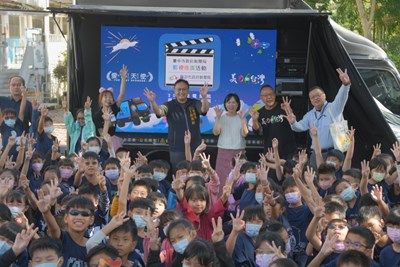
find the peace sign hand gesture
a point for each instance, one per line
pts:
(343, 76)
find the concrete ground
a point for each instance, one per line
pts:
(59, 127)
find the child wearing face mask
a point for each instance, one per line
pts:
(241, 242)
(390, 256)
(277, 227)
(112, 171)
(18, 204)
(66, 167)
(160, 169)
(378, 174)
(34, 172)
(269, 247)
(246, 192)
(94, 145)
(46, 252)
(45, 139)
(336, 232)
(350, 195)
(326, 177)
(9, 177)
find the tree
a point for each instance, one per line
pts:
(60, 72)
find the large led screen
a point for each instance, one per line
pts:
(228, 60)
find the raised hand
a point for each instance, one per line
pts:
(270, 155)
(365, 170)
(102, 182)
(351, 133)
(123, 71)
(286, 104)
(262, 173)
(12, 140)
(23, 182)
(291, 118)
(118, 220)
(314, 131)
(154, 240)
(202, 147)
(205, 161)
(10, 164)
(23, 239)
(31, 140)
(226, 190)
(270, 199)
(303, 158)
(204, 90)
(343, 76)
(140, 159)
(217, 234)
(151, 96)
(309, 175)
(377, 150)
(35, 103)
(396, 150)
(238, 224)
(44, 112)
(254, 114)
(88, 103)
(275, 143)
(377, 193)
(149, 220)
(107, 114)
(43, 203)
(177, 183)
(277, 252)
(218, 111)
(188, 137)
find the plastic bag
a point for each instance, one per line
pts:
(340, 133)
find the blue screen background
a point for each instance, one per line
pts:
(244, 61)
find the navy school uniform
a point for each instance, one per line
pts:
(244, 252)
(164, 186)
(34, 180)
(324, 193)
(246, 196)
(138, 253)
(389, 257)
(352, 213)
(111, 189)
(73, 253)
(333, 263)
(289, 230)
(339, 174)
(44, 144)
(299, 218)
(7, 131)
(385, 190)
(378, 250)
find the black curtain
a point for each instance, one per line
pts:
(361, 111)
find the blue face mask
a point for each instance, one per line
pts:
(250, 178)
(139, 221)
(347, 194)
(159, 176)
(180, 246)
(48, 264)
(95, 149)
(48, 130)
(112, 174)
(10, 122)
(252, 230)
(259, 198)
(4, 247)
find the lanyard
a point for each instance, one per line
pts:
(322, 113)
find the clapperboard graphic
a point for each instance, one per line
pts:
(196, 65)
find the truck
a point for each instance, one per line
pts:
(234, 46)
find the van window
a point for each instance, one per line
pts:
(384, 87)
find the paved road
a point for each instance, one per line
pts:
(59, 127)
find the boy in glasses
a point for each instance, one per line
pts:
(78, 216)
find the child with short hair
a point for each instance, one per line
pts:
(66, 167)
(246, 227)
(351, 196)
(144, 171)
(33, 169)
(12, 124)
(101, 203)
(352, 258)
(390, 255)
(45, 139)
(88, 169)
(94, 144)
(44, 251)
(160, 170)
(371, 218)
(122, 233)
(112, 170)
(353, 176)
(269, 247)
(326, 177)
(78, 217)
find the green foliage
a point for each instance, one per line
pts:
(386, 30)
(60, 71)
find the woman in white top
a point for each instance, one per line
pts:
(231, 127)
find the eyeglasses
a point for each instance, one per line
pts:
(78, 212)
(356, 245)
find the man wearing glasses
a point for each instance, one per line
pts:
(183, 114)
(319, 116)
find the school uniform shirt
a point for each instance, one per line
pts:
(389, 257)
(244, 252)
(299, 218)
(352, 213)
(73, 253)
(7, 131)
(164, 186)
(326, 192)
(246, 197)
(44, 144)
(9, 102)
(202, 223)
(378, 250)
(385, 190)
(111, 189)
(35, 180)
